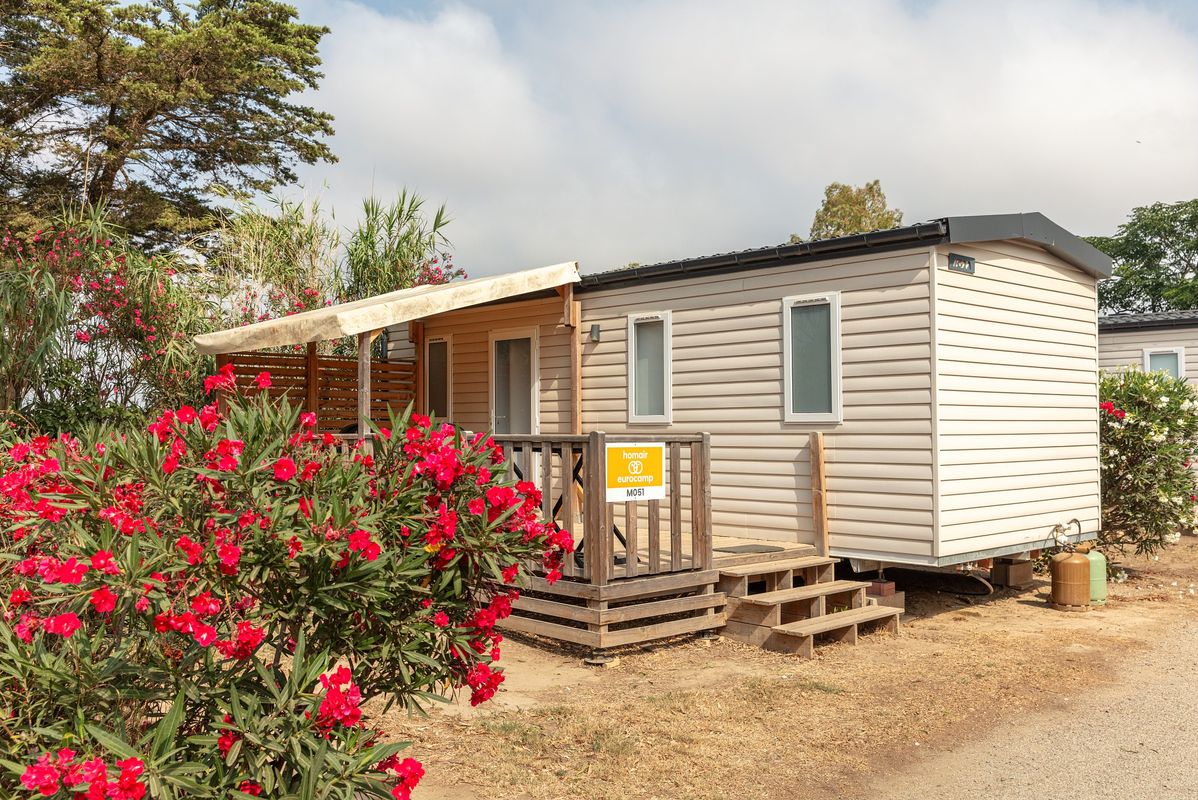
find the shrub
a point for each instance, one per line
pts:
(1149, 436)
(202, 609)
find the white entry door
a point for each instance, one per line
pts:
(514, 383)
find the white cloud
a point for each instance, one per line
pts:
(610, 133)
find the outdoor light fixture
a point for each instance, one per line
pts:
(595, 332)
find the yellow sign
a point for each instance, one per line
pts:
(636, 471)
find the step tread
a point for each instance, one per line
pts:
(802, 592)
(841, 619)
(767, 567)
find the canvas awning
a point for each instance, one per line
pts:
(393, 308)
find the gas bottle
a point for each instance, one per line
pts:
(1070, 582)
(1097, 577)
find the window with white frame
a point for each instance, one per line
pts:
(438, 372)
(811, 357)
(1166, 359)
(649, 367)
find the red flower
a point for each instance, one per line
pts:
(307, 419)
(19, 597)
(510, 573)
(186, 414)
(249, 787)
(103, 600)
(41, 777)
(441, 619)
(102, 562)
(63, 625)
(410, 771)
(284, 469)
(170, 464)
(263, 380)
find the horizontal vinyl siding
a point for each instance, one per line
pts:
(1017, 418)
(728, 381)
(471, 329)
(1121, 349)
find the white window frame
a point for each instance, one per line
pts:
(1180, 352)
(448, 339)
(668, 347)
(832, 299)
(533, 335)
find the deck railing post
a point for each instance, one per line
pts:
(596, 533)
(701, 503)
(819, 494)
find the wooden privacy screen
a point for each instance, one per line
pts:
(333, 395)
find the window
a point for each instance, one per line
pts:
(1166, 359)
(811, 358)
(438, 383)
(649, 368)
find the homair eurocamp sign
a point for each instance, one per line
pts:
(636, 471)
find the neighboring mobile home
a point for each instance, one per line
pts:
(923, 395)
(1156, 341)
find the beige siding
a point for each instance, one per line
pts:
(1121, 349)
(1017, 351)
(728, 381)
(471, 329)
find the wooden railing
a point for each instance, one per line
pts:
(643, 538)
(329, 385)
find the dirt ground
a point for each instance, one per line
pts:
(711, 720)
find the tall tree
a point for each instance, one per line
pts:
(147, 106)
(1156, 259)
(852, 209)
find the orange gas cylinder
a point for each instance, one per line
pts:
(1070, 582)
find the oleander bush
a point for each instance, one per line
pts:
(202, 608)
(1149, 440)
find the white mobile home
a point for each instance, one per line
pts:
(946, 370)
(1154, 341)
(951, 365)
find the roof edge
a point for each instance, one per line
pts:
(1033, 228)
(920, 234)
(1030, 227)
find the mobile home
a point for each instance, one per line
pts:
(923, 395)
(1152, 341)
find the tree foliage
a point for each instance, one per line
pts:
(852, 209)
(147, 105)
(100, 330)
(1149, 435)
(1156, 259)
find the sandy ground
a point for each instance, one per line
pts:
(975, 696)
(1135, 738)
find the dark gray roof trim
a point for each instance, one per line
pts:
(1160, 319)
(1033, 228)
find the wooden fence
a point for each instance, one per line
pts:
(642, 570)
(328, 385)
(620, 540)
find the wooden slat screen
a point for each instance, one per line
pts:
(392, 385)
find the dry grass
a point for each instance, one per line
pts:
(723, 720)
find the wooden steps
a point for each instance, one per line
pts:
(764, 567)
(785, 552)
(802, 592)
(784, 604)
(841, 619)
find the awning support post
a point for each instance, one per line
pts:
(311, 379)
(364, 385)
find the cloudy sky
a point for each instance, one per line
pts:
(609, 132)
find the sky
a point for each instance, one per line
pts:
(612, 132)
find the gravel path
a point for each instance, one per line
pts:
(1135, 739)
